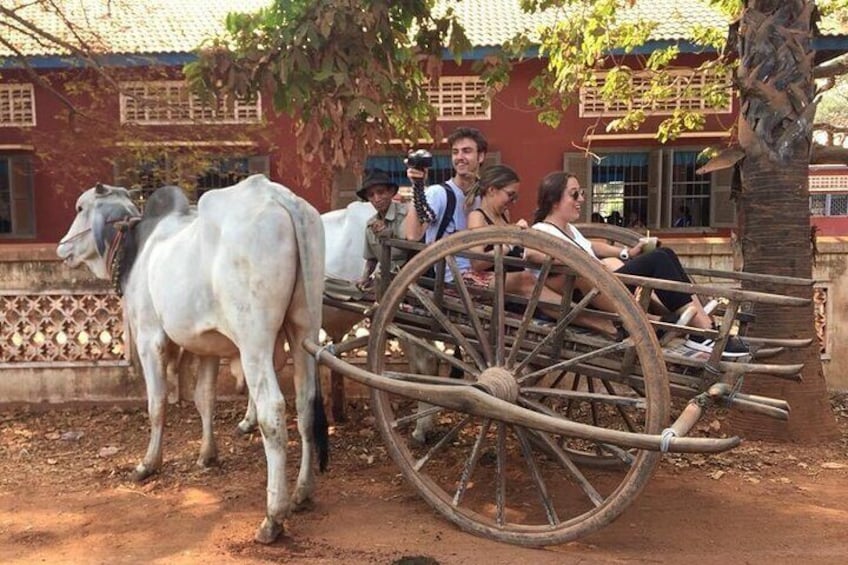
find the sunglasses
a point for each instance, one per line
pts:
(511, 194)
(577, 194)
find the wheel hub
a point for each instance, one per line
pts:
(498, 382)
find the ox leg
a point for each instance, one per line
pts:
(248, 423)
(421, 362)
(271, 413)
(153, 355)
(204, 400)
(305, 393)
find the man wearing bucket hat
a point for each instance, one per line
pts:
(379, 189)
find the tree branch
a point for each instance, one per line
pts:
(828, 155)
(33, 74)
(831, 69)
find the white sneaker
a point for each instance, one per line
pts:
(734, 348)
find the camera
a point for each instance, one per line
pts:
(420, 159)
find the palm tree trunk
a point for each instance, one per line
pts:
(776, 98)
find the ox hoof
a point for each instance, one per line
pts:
(245, 428)
(303, 505)
(142, 473)
(419, 436)
(208, 462)
(268, 532)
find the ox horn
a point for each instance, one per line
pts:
(100, 189)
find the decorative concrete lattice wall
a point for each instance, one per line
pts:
(60, 328)
(820, 306)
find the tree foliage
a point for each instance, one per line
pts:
(353, 73)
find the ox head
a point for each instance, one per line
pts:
(87, 240)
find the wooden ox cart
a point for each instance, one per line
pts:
(553, 430)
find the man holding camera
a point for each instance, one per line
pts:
(440, 209)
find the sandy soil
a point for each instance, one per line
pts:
(66, 497)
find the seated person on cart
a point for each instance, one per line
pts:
(496, 190)
(440, 209)
(559, 201)
(388, 223)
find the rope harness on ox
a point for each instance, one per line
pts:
(115, 253)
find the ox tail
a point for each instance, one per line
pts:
(309, 232)
(320, 428)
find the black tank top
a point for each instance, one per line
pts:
(516, 251)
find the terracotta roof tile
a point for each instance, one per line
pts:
(125, 26)
(179, 26)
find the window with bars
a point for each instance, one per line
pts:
(171, 102)
(690, 192)
(17, 213)
(688, 92)
(460, 98)
(17, 105)
(655, 189)
(620, 189)
(194, 173)
(829, 204)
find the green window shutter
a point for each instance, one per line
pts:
(722, 208)
(578, 164)
(23, 199)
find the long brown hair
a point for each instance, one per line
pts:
(550, 192)
(497, 176)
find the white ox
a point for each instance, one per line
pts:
(344, 237)
(232, 279)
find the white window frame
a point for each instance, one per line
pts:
(17, 105)
(828, 183)
(171, 103)
(460, 98)
(593, 106)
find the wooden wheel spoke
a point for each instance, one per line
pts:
(396, 331)
(562, 457)
(470, 309)
(557, 332)
(440, 317)
(415, 416)
(618, 452)
(498, 310)
(444, 441)
(471, 462)
(500, 487)
(624, 415)
(532, 304)
(571, 362)
(535, 473)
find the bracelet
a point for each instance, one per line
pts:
(624, 255)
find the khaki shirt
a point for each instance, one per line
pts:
(389, 227)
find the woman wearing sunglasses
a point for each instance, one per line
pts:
(560, 200)
(496, 190)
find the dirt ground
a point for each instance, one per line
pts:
(66, 497)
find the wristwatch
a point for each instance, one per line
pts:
(624, 255)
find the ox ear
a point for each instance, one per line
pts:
(103, 218)
(98, 227)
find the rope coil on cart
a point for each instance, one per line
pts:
(665, 439)
(328, 347)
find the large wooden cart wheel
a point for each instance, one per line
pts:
(500, 480)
